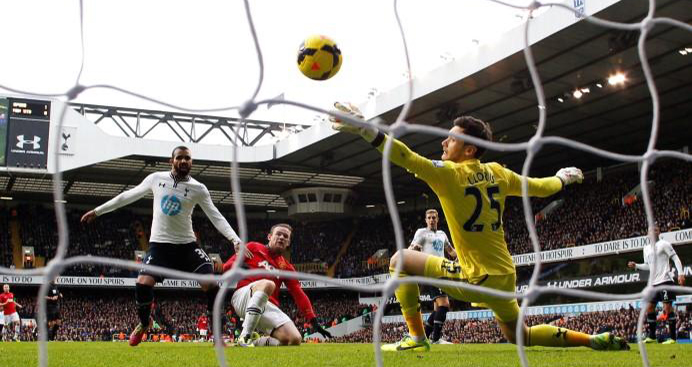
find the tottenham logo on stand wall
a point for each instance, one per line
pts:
(21, 142)
(68, 139)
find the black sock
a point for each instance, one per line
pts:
(651, 320)
(440, 318)
(672, 327)
(50, 333)
(54, 330)
(429, 323)
(144, 295)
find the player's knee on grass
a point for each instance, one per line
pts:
(294, 340)
(287, 334)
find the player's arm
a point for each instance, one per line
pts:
(125, 198)
(634, 265)
(250, 249)
(417, 242)
(218, 220)
(668, 248)
(400, 154)
(546, 186)
(228, 264)
(304, 305)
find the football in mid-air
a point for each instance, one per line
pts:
(319, 57)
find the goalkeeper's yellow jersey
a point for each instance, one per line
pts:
(473, 195)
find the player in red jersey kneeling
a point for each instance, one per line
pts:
(252, 293)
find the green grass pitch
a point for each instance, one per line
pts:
(68, 354)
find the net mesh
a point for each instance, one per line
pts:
(399, 128)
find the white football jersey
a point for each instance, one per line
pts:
(664, 251)
(432, 242)
(174, 202)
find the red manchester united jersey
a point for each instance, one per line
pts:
(9, 307)
(263, 259)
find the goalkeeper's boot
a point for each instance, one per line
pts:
(669, 341)
(649, 340)
(137, 334)
(407, 344)
(608, 341)
(248, 341)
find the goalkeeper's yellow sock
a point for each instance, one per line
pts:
(553, 336)
(408, 294)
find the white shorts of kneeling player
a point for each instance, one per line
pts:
(272, 318)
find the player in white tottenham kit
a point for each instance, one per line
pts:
(172, 243)
(434, 242)
(663, 276)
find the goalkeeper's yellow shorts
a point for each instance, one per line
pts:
(505, 310)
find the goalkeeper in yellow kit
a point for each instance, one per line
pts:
(472, 195)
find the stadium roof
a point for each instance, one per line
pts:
(581, 56)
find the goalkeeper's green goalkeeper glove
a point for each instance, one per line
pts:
(319, 329)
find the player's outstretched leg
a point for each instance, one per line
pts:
(408, 296)
(553, 336)
(144, 295)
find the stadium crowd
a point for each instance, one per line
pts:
(5, 248)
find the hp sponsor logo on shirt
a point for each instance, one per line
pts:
(171, 205)
(437, 244)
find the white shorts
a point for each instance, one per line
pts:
(203, 332)
(11, 318)
(271, 319)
